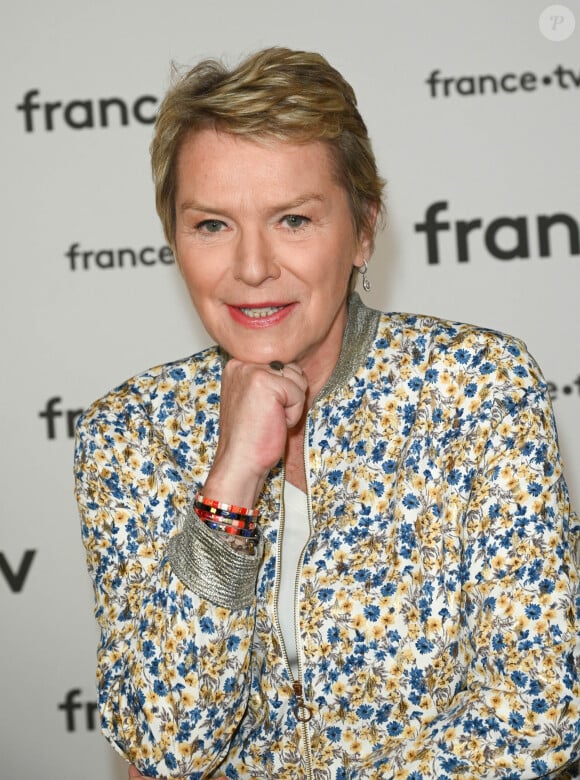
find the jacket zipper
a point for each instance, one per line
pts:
(302, 711)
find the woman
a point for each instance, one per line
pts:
(339, 543)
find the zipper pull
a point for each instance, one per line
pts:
(302, 711)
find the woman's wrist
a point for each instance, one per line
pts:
(231, 486)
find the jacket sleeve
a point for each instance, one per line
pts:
(518, 715)
(176, 619)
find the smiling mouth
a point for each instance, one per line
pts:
(259, 312)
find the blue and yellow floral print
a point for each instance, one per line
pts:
(438, 604)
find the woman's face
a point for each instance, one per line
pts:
(265, 241)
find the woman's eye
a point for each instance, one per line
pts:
(295, 221)
(210, 225)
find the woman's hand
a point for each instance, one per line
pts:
(134, 774)
(259, 405)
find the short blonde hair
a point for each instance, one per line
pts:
(278, 94)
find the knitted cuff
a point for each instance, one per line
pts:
(210, 567)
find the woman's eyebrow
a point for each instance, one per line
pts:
(294, 203)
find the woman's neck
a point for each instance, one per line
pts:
(294, 457)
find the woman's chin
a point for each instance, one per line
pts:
(259, 356)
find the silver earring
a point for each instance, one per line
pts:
(363, 272)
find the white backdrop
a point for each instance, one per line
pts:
(75, 180)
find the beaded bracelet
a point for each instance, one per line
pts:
(233, 519)
(236, 521)
(220, 525)
(209, 517)
(216, 525)
(221, 507)
(230, 516)
(228, 529)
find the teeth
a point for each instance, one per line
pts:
(257, 314)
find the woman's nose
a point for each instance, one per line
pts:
(255, 260)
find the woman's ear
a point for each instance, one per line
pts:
(367, 237)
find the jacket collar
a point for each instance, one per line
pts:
(359, 334)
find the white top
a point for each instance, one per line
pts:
(296, 533)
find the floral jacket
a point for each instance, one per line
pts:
(437, 600)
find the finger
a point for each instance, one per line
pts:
(293, 369)
(294, 383)
(294, 402)
(293, 372)
(134, 772)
